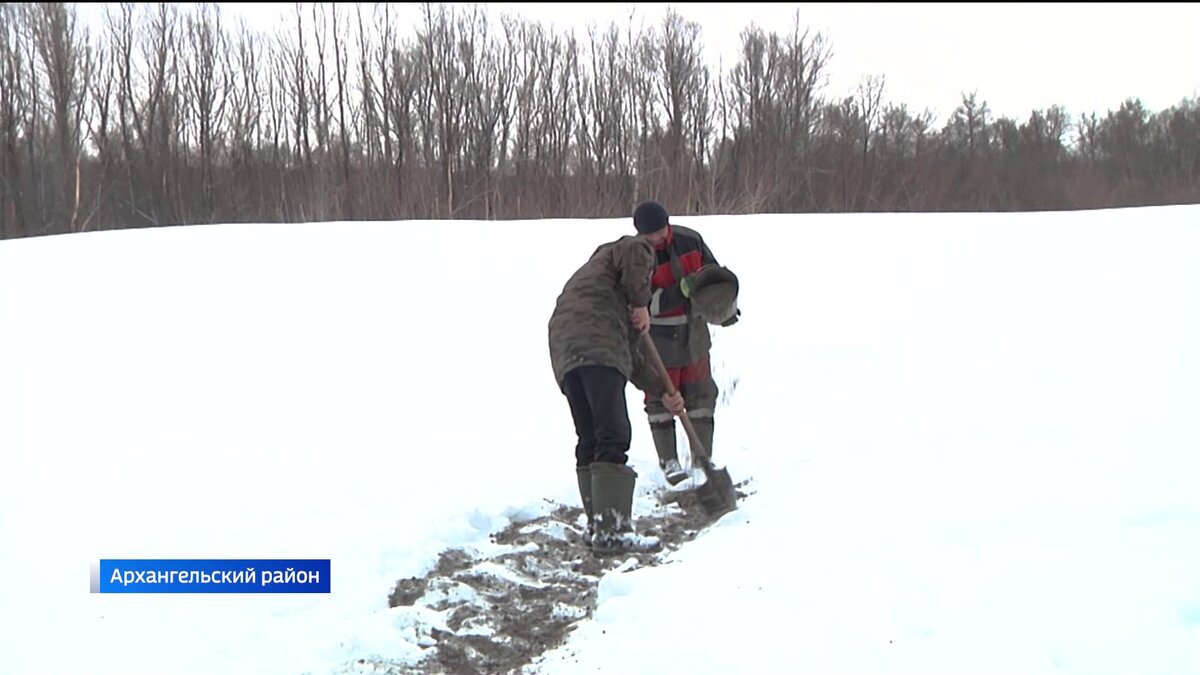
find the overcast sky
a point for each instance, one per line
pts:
(1017, 56)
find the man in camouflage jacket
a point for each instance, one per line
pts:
(597, 321)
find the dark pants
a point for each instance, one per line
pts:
(596, 395)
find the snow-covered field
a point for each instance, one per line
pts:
(973, 441)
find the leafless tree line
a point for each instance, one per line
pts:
(164, 116)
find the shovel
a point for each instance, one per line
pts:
(716, 495)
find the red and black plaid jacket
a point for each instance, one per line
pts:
(682, 254)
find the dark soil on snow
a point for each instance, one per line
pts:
(504, 610)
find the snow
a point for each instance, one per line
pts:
(971, 440)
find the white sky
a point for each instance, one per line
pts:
(1017, 56)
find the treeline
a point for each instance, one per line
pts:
(164, 115)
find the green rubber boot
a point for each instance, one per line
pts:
(612, 504)
(584, 475)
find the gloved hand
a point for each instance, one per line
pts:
(687, 285)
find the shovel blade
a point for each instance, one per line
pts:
(717, 495)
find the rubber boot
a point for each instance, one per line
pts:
(584, 475)
(704, 429)
(612, 501)
(663, 434)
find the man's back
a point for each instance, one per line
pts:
(590, 323)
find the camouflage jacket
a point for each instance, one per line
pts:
(590, 324)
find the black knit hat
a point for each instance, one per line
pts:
(650, 216)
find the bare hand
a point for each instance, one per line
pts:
(640, 318)
(673, 402)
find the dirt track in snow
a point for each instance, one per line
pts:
(497, 613)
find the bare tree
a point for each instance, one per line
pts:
(65, 65)
(603, 139)
(248, 114)
(371, 127)
(490, 84)
(775, 88)
(342, 74)
(870, 97)
(293, 77)
(682, 76)
(207, 83)
(410, 120)
(14, 97)
(103, 93)
(149, 109)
